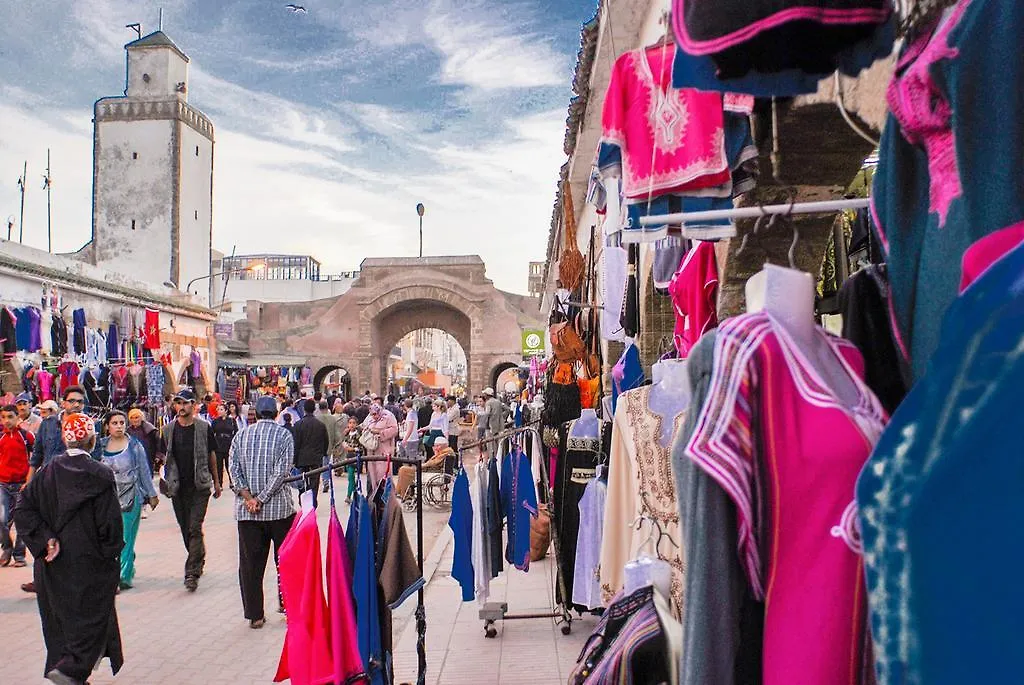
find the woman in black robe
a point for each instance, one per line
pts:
(70, 518)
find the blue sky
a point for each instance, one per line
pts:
(331, 125)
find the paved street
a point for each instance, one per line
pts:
(173, 637)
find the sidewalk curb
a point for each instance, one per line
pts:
(433, 560)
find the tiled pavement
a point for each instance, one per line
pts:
(173, 637)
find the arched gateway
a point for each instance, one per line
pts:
(391, 297)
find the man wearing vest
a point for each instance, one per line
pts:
(15, 448)
(191, 461)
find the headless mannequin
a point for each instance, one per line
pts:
(586, 426)
(788, 296)
(670, 395)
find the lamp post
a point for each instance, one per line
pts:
(419, 210)
(251, 267)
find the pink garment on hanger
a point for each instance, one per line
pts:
(989, 250)
(348, 664)
(672, 140)
(694, 293)
(45, 379)
(306, 656)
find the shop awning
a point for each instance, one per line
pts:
(260, 360)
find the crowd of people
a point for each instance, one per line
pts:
(73, 489)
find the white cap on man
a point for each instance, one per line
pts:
(441, 440)
(489, 392)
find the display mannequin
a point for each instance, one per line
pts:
(670, 394)
(787, 295)
(586, 426)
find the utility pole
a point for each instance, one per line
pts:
(46, 186)
(21, 185)
(419, 210)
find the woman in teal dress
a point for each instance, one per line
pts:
(126, 457)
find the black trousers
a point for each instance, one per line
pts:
(190, 510)
(310, 482)
(254, 538)
(222, 463)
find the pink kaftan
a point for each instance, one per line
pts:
(694, 293)
(788, 453)
(306, 656)
(680, 130)
(348, 664)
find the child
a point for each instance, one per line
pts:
(350, 445)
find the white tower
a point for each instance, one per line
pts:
(153, 172)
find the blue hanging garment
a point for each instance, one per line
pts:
(461, 523)
(518, 504)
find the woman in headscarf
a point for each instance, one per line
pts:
(384, 425)
(70, 519)
(127, 459)
(147, 434)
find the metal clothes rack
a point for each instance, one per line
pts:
(824, 207)
(498, 611)
(421, 613)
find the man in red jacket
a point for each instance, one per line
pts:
(15, 448)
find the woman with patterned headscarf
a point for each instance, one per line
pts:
(70, 519)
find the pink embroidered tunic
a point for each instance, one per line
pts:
(671, 140)
(787, 452)
(694, 293)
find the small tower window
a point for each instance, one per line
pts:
(135, 155)
(133, 224)
(197, 215)
(197, 150)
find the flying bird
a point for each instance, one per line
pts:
(295, 8)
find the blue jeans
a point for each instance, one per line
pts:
(325, 477)
(9, 495)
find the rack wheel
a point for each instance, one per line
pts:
(566, 629)
(490, 631)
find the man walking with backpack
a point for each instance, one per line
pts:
(15, 449)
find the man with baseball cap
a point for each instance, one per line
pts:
(26, 418)
(70, 518)
(189, 443)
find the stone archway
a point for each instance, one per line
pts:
(324, 371)
(499, 369)
(390, 324)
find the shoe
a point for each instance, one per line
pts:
(18, 563)
(5, 557)
(326, 487)
(257, 623)
(124, 586)
(56, 676)
(28, 587)
(191, 584)
(280, 608)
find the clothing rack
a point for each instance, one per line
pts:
(421, 613)
(824, 207)
(498, 611)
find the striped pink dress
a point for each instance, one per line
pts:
(788, 453)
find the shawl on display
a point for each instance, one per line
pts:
(347, 663)
(518, 505)
(461, 523)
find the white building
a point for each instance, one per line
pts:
(153, 173)
(239, 279)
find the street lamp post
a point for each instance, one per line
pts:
(251, 267)
(419, 210)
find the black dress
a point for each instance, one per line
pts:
(576, 466)
(74, 500)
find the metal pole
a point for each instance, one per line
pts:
(49, 234)
(826, 207)
(21, 226)
(421, 612)
(421, 236)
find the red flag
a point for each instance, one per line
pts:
(151, 333)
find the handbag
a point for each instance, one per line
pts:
(371, 441)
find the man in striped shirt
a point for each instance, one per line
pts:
(259, 461)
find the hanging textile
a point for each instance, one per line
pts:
(518, 506)
(586, 587)
(347, 664)
(640, 485)
(694, 293)
(940, 500)
(461, 523)
(787, 452)
(578, 452)
(306, 657)
(743, 35)
(78, 321)
(940, 187)
(481, 557)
